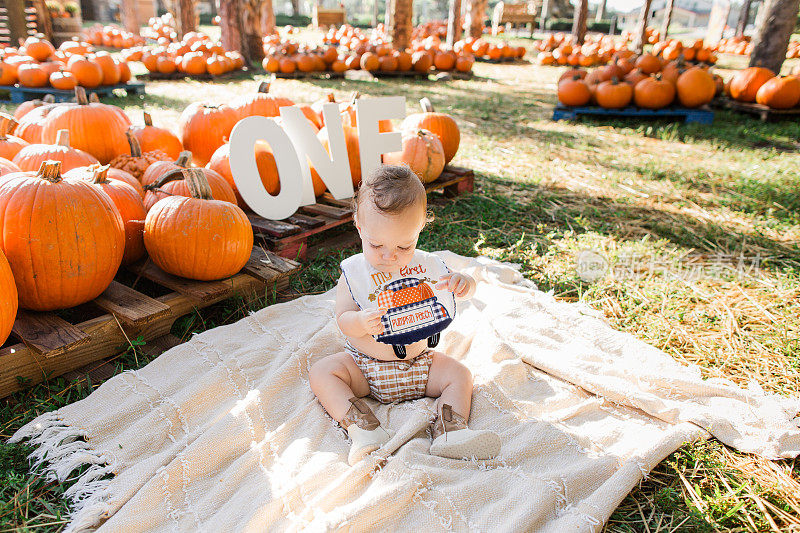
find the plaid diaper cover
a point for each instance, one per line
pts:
(393, 381)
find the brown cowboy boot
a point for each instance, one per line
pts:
(453, 439)
(364, 429)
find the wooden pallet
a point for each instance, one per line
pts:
(17, 94)
(316, 75)
(157, 76)
(761, 111)
(702, 115)
(51, 345)
(512, 60)
(434, 75)
(289, 238)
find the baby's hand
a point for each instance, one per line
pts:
(458, 284)
(371, 321)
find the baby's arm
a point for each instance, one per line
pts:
(351, 320)
(461, 285)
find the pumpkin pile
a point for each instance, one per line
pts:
(112, 37)
(644, 81)
(761, 85)
(558, 49)
(743, 47)
(195, 55)
(651, 34)
(673, 49)
(38, 64)
(163, 29)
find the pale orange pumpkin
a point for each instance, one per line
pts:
(9, 144)
(8, 167)
(203, 128)
(259, 104)
(31, 157)
(440, 124)
(422, 152)
(153, 138)
(171, 183)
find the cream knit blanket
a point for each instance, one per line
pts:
(223, 433)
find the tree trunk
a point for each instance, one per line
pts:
(476, 15)
(601, 11)
(185, 17)
(15, 11)
(401, 27)
(229, 22)
(213, 5)
(545, 14)
(638, 43)
(130, 19)
(454, 22)
(388, 17)
(374, 13)
(776, 21)
(265, 25)
(295, 8)
(241, 25)
(579, 21)
(667, 19)
(744, 15)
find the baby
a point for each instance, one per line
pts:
(391, 211)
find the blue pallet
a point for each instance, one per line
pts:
(701, 115)
(16, 94)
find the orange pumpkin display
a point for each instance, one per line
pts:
(422, 152)
(32, 156)
(153, 138)
(440, 124)
(128, 203)
(64, 239)
(203, 128)
(198, 237)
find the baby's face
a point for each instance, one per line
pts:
(389, 241)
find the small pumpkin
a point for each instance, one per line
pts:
(8, 167)
(9, 144)
(649, 64)
(64, 239)
(31, 157)
(153, 138)
(32, 75)
(137, 162)
(198, 237)
(422, 152)
(128, 203)
(63, 80)
(440, 124)
(30, 105)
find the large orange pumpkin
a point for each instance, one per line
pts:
(613, 95)
(30, 105)
(259, 104)
(440, 124)
(198, 237)
(32, 156)
(9, 300)
(780, 92)
(653, 93)
(153, 138)
(203, 128)
(422, 152)
(96, 128)
(64, 239)
(746, 83)
(695, 87)
(9, 144)
(128, 203)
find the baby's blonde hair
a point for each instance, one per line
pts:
(392, 189)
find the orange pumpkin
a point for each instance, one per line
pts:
(780, 92)
(649, 64)
(198, 237)
(574, 92)
(87, 73)
(8, 167)
(109, 68)
(32, 75)
(171, 183)
(31, 157)
(137, 161)
(422, 152)
(203, 128)
(63, 80)
(9, 144)
(259, 104)
(128, 203)
(30, 105)
(746, 83)
(9, 300)
(96, 128)
(159, 168)
(613, 95)
(653, 93)
(64, 239)
(441, 125)
(152, 138)
(695, 87)
(39, 49)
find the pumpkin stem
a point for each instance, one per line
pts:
(49, 99)
(197, 183)
(93, 98)
(331, 98)
(50, 170)
(100, 173)
(62, 138)
(184, 159)
(7, 125)
(148, 120)
(426, 104)
(263, 87)
(133, 142)
(80, 96)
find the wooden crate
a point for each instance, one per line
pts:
(289, 238)
(17, 94)
(761, 111)
(51, 345)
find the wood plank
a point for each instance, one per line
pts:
(346, 203)
(201, 291)
(327, 210)
(130, 306)
(281, 264)
(260, 266)
(47, 333)
(306, 221)
(159, 345)
(273, 228)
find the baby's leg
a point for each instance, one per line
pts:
(451, 382)
(335, 379)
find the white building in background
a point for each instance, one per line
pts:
(685, 13)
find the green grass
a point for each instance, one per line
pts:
(700, 226)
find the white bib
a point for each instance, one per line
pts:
(416, 310)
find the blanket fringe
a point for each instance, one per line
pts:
(58, 451)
